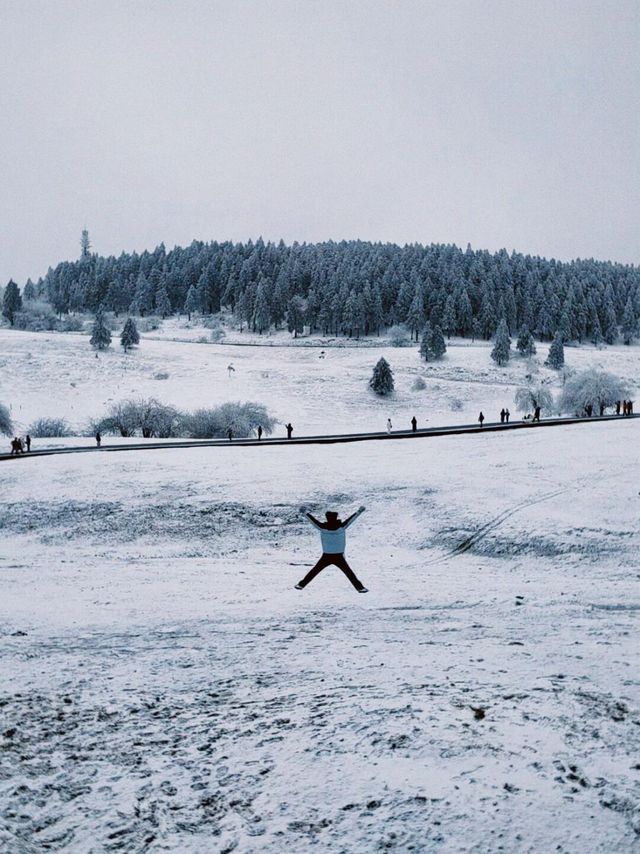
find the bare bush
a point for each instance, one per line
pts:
(419, 384)
(47, 428)
(147, 324)
(148, 417)
(161, 375)
(36, 317)
(6, 424)
(456, 405)
(530, 397)
(242, 418)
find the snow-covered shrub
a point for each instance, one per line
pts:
(161, 375)
(419, 384)
(71, 323)
(594, 388)
(456, 405)
(149, 418)
(147, 324)
(47, 428)
(528, 398)
(399, 336)
(6, 425)
(242, 418)
(35, 317)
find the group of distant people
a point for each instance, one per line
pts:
(624, 407)
(18, 444)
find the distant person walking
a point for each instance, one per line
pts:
(618, 406)
(536, 414)
(503, 415)
(389, 426)
(230, 370)
(259, 433)
(230, 433)
(481, 418)
(16, 446)
(601, 410)
(98, 438)
(414, 424)
(507, 415)
(28, 443)
(333, 539)
(629, 407)
(289, 430)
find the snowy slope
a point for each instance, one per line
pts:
(165, 688)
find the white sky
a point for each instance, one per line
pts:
(512, 124)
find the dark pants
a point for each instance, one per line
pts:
(337, 560)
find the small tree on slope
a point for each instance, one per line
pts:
(555, 359)
(129, 337)
(502, 347)
(382, 378)
(100, 335)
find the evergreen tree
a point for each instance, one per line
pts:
(129, 337)
(502, 347)
(382, 378)
(100, 335)
(425, 343)
(11, 301)
(449, 316)
(525, 344)
(437, 343)
(29, 291)
(192, 301)
(85, 245)
(163, 306)
(295, 315)
(555, 359)
(261, 312)
(629, 322)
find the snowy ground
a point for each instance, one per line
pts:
(163, 687)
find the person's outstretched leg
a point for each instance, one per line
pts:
(321, 564)
(342, 564)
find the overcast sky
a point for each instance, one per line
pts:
(504, 124)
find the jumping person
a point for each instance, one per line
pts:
(481, 418)
(289, 430)
(332, 536)
(414, 424)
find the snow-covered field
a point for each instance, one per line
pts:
(57, 374)
(164, 688)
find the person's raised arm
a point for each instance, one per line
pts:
(311, 518)
(353, 517)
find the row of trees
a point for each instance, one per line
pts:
(101, 334)
(356, 288)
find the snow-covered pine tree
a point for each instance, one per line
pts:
(629, 323)
(29, 291)
(502, 347)
(437, 343)
(425, 343)
(192, 301)
(129, 337)
(555, 359)
(11, 301)
(163, 305)
(381, 381)
(526, 345)
(261, 311)
(100, 335)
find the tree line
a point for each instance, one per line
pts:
(353, 288)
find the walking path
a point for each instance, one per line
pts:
(331, 439)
